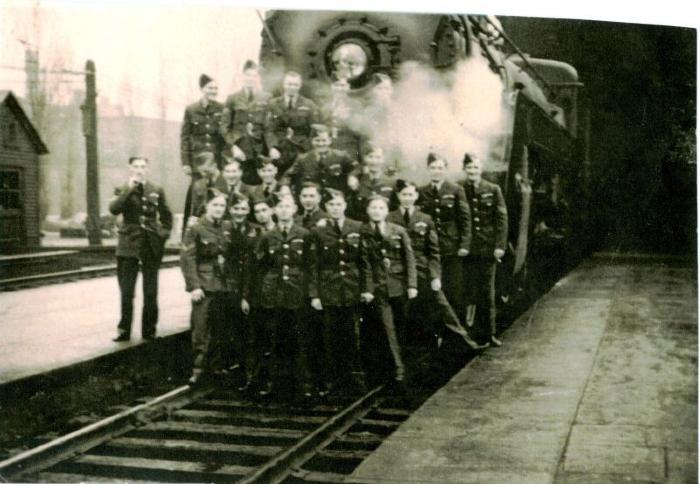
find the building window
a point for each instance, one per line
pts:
(9, 134)
(10, 193)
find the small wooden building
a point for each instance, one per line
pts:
(20, 147)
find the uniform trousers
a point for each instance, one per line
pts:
(388, 311)
(288, 332)
(453, 283)
(208, 323)
(480, 290)
(429, 314)
(127, 273)
(341, 345)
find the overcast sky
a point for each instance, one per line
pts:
(142, 52)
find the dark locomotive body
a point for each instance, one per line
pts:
(539, 158)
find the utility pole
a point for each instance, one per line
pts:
(89, 109)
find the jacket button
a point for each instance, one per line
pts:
(285, 246)
(342, 273)
(341, 251)
(342, 263)
(474, 200)
(285, 268)
(285, 278)
(477, 228)
(285, 256)
(476, 219)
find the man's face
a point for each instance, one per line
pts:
(232, 173)
(267, 172)
(336, 207)
(210, 90)
(208, 169)
(437, 170)
(309, 198)
(291, 85)
(322, 141)
(263, 213)
(473, 170)
(137, 169)
(285, 209)
(408, 196)
(377, 210)
(239, 211)
(216, 207)
(375, 161)
(251, 78)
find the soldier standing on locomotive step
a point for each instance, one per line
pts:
(201, 132)
(388, 273)
(147, 222)
(446, 204)
(489, 238)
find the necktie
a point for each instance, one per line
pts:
(336, 226)
(266, 191)
(289, 103)
(284, 232)
(406, 217)
(377, 231)
(307, 218)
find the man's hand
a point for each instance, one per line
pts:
(462, 252)
(245, 307)
(187, 170)
(197, 295)
(366, 297)
(290, 133)
(316, 304)
(498, 254)
(191, 220)
(436, 284)
(133, 182)
(275, 154)
(353, 182)
(412, 292)
(238, 153)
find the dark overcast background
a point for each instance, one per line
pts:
(641, 84)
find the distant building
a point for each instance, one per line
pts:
(20, 147)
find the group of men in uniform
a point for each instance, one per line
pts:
(294, 246)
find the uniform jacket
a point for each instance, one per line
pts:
(309, 221)
(424, 240)
(240, 265)
(344, 138)
(383, 185)
(330, 170)
(284, 265)
(388, 266)
(199, 193)
(147, 219)
(257, 192)
(239, 108)
(338, 263)
(450, 212)
(253, 149)
(201, 132)
(299, 119)
(203, 255)
(489, 218)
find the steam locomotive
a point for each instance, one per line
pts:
(538, 152)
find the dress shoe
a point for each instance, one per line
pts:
(148, 337)
(496, 342)
(122, 337)
(470, 342)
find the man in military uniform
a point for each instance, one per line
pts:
(388, 273)
(285, 257)
(289, 121)
(250, 147)
(200, 132)
(147, 222)
(323, 165)
(374, 181)
(243, 106)
(204, 266)
(446, 204)
(267, 173)
(310, 199)
(227, 181)
(337, 295)
(489, 225)
(424, 239)
(340, 115)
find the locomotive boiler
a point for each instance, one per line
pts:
(532, 137)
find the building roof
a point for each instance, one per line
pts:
(9, 99)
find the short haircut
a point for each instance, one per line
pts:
(292, 74)
(264, 161)
(285, 197)
(319, 129)
(332, 194)
(230, 161)
(310, 184)
(134, 158)
(258, 201)
(238, 197)
(375, 197)
(204, 157)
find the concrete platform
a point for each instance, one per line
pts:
(51, 327)
(596, 383)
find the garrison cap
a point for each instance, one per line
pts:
(401, 184)
(376, 196)
(250, 64)
(332, 193)
(432, 156)
(213, 193)
(204, 80)
(468, 159)
(264, 160)
(318, 129)
(237, 198)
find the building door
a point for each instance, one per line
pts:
(12, 233)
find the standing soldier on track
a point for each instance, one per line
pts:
(447, 206)
(285, 258)
(323, 165)
(200, 132)
(146, 226)
(489, 238)
(426, 248)
(203, 264)
(337, 240)
(388, 274)
(289, 121)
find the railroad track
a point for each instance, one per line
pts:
(213, 435)
(37, 280)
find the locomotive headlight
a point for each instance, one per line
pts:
(349, 60)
